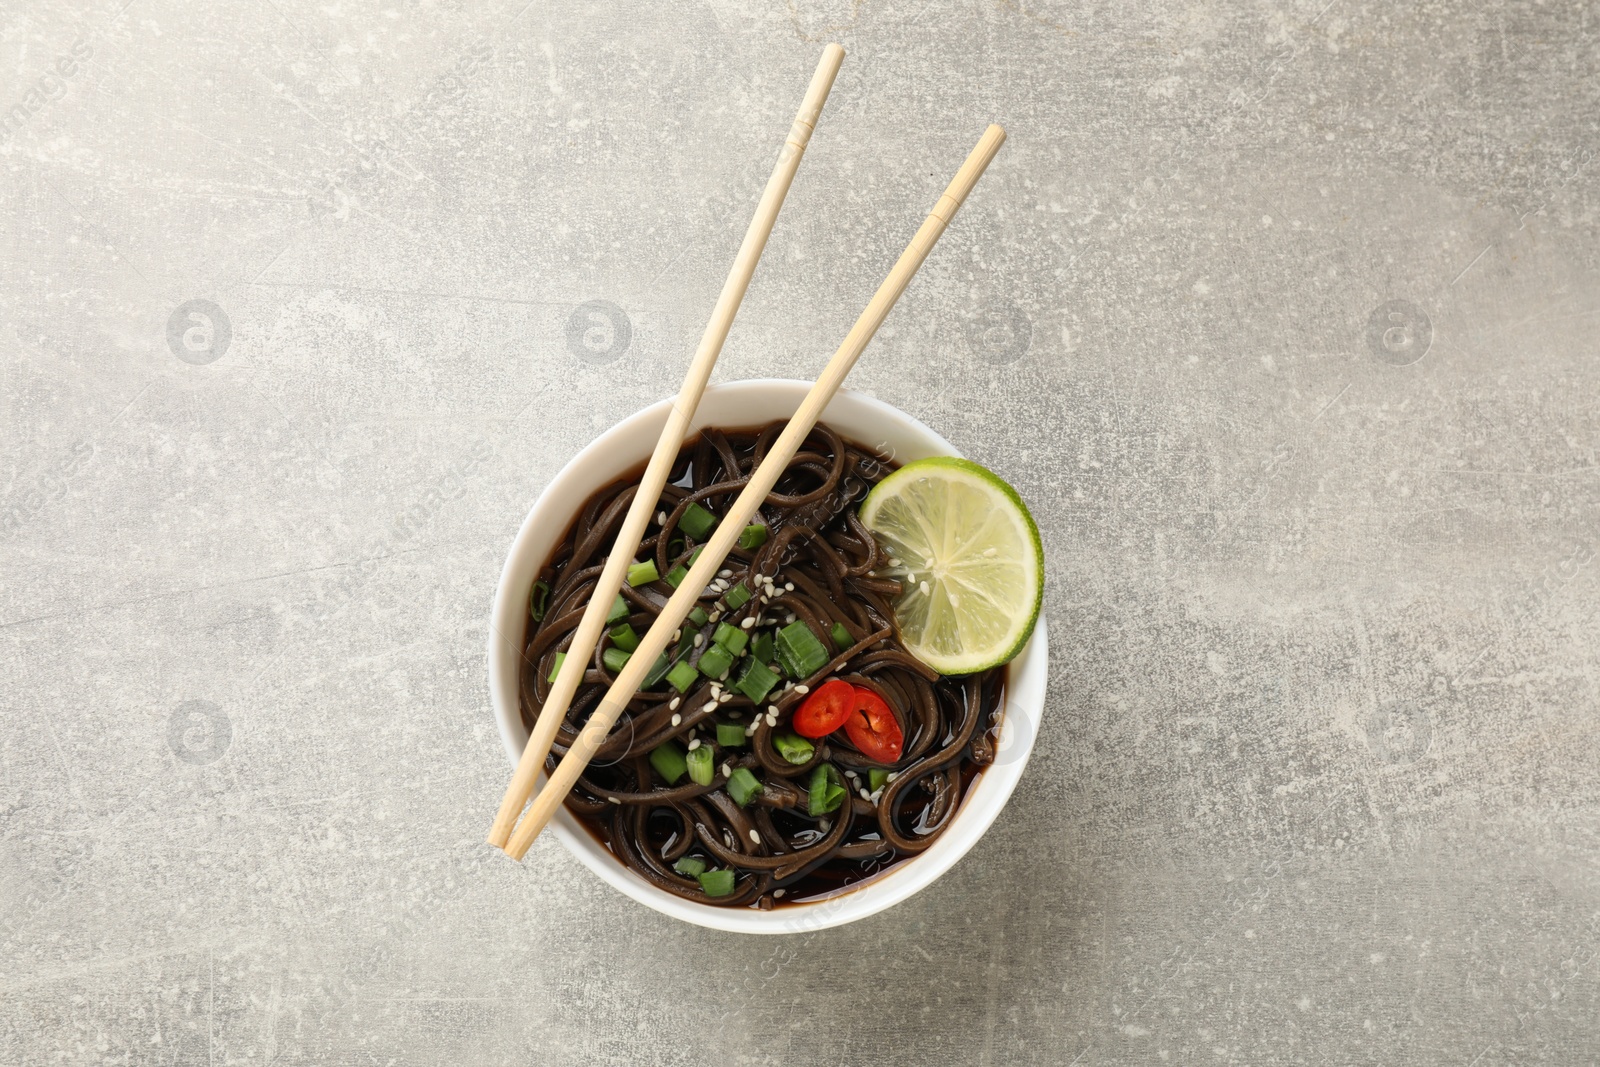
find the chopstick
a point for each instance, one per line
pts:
(587, 635)
(750, 498)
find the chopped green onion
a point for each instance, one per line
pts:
(827, 790)
(676, 546)
(619, 611)
(801, 654)
(755, 680)
(715, 661)
(730, 735)
(561, 657)
(737, 597)
(717, 883)
(667, 759)
(685, 643)
(690, 866)
(642, 573)
(762, 649)
(697, 617)
(753, 537)
(614, 659)
(731, 638)
(841, 637)
(658, 671)
(697, 522)
(623, 637)
(538, 599)
(700, 763)
(742, 785)
(877, 778)
(676, 575)
(683, 676)
(694, 557)
(793, 747)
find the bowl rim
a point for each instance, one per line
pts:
(984, 799)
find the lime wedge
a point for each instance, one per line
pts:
(962, 542)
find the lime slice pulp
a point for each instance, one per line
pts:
(968, 553)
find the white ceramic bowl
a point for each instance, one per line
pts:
(627, 445)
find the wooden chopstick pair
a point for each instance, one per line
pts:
(744, 507)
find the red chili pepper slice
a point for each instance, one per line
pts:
(825, 710)
(873, 729)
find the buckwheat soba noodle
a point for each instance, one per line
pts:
(723, 782)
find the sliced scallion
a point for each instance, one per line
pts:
(731, 638)
(619, 611)
(755, 680)
(752, 537)
(701, 765)
(614, 659)
(715, 661)
(827, 790)
(690, 866)
(676, 575)
(737, 597)
(682, 676)
(623, 637)
(697, 522)
(801, 654)
(793, 747)
(841, 637)
(742, 785)
(730, 735)
(561, 657)
(658, 671)
(717, 883)
(667, 759)
(538, 600)
(877, 778)
(642, 573)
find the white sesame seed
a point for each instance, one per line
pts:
(825, 825)
(723, 698)
(755, 838)
(724, 573)
(772, 720)
(776, 893)
(788, 587)
(716, 688)
(677, 720)
(727, 771)
(892, 776)
(789, 617)
(747, 624)
(750, 730)
(615, 801)
(877, 795)
(677, 635)
(694, 743)
(715, 615)
(864, 794)
(727, 839)
(802, 689)
(851, 775)
(772, 709)
(710, 705)
(661, 518)
(672, 705)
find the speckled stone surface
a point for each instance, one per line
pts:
(1281, 315)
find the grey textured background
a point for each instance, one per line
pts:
(1281, 315)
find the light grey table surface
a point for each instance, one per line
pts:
(1282, 316)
